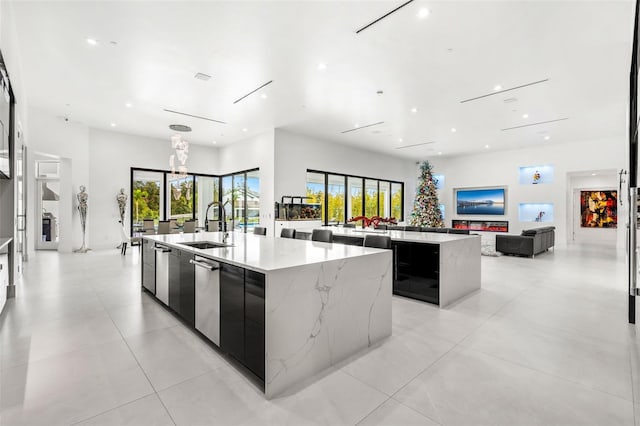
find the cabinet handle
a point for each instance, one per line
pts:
(204, 265)
(162, 249)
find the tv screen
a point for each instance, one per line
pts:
(480, 201)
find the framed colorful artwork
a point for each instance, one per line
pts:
(599, 209)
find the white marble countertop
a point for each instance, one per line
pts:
(263, 253)
(408, 236)
(4, 241)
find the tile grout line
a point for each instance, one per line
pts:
(137, 362)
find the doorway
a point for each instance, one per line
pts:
(48, 205)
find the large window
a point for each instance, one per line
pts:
(354, 202)
(370, 197)
(207, 192)
(147, 196)
(253, 198)
(396, 200)
(343, 197)
(335, 199)
(242, 191)
(180, 192)
(159, 195)
(384, 197)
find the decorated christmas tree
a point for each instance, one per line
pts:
(426, 209)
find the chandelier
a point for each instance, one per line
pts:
(178, 160)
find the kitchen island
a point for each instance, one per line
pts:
(429, 266)
(285, 309)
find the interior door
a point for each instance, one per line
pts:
(49, 218)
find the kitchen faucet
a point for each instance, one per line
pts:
(225, 234)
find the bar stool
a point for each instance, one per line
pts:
(288, 233)
(322, 235)
(377, 241)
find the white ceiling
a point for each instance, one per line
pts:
(462, 50)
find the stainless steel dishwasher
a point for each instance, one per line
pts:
(207, 298)
(162, 273)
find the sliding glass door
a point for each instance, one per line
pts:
(180, 194)
(147, 196)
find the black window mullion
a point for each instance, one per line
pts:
(244, 207)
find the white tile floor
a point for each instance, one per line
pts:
(545, 342)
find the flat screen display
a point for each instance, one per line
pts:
(488, 201)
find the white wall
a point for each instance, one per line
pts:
(295, 153)
(501, 169)
(257, 151)
(111, 156)
(68, 141)
(101, 160)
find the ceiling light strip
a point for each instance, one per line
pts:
(505, 90)
(194, 116)
(535, 124)
(253, 91)
(363, 127)
(383, 16)
(416, 144)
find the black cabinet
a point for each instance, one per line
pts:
(148, 266)
(254, 322)
(242, 325)
(182, 285)
(417, 271)
(232, 310)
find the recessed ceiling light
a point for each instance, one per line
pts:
(486, 146)
(453, 130)
(322, 66)
(593, 174)
(263, 96)
(92, 41)
(214, 142)
(128, 105)
(113, 124)
(423, 13)
(546, 138)
(497, 87)
(245, 129)
(356, 125)
(525, 115)
(414, 110)
(440, 153)
(400, 140)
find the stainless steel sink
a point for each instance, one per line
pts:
(206, 244)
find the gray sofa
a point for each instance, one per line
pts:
(529, 243)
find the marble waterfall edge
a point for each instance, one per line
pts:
(318, 315)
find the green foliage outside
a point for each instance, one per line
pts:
(182, 206)
(146, 200)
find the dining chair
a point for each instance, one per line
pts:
(260, 230)
(147, 224)
(125, 240)
(189, 227)
(164, 227)
(322, 235)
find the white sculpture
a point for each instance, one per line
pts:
(82, 209)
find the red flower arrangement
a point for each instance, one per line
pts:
(374, 220)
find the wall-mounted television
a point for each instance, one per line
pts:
(481, 201)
